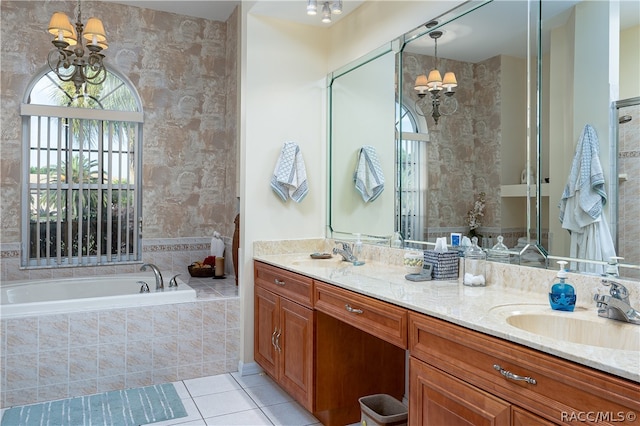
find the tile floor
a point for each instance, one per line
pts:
(232, 399)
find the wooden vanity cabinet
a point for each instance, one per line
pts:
(284, 330)
(325, 360)
(456, 379)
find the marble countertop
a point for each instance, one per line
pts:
(482, 309)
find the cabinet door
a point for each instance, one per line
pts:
(437, 398)
(295, 342)
(265, 330)
(520, 417)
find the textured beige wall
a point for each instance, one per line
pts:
(184, 69)
(464, 148)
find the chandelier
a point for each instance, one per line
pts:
(434, 83)
(68, 59)
(329, 8)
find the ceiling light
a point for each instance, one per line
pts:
(333, 7)
(326, 13)
(336, 7)
(312, 7)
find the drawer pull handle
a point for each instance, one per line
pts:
(353, 311)
(278, 282)
(509, 375)
(273, 337)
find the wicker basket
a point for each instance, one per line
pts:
(201, 272)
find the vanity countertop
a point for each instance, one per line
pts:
(482, 309)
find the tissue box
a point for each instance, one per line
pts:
(445, 265)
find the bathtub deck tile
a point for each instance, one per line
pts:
(53, 367)
(83, 387)
(165, 320)
(112, 326)
(22, 335)
(22, 371)
(110, 383)
(83, 363)
(83, 329)
(53, 332)
(111, 359)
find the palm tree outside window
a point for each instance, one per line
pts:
(82, 172)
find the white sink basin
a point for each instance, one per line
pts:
(582, 326)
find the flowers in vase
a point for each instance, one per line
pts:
(475, 214)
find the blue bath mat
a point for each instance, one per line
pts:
(149, 404)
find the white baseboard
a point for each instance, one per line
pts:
(249, 368)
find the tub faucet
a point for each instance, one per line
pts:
(346, 252)
(173, 282)
(616, 306)
(156, 271)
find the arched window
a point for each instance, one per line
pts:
(412, 175)
(81, 172)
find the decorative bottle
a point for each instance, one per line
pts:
(475, 265)
(499, 252)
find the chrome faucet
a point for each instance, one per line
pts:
(346, 252)
(173, 282)
(616, 306)
(156, 271)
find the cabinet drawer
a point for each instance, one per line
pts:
(380, 319)
(284, 283)
(562, 389)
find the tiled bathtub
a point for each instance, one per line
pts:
(53, 356)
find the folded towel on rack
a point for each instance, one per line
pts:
(368, 176)
(289, 178)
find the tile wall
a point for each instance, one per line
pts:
(57, 356)
(629, 187)
(172, 255)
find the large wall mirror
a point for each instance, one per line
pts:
(493, 139)
(590, 69)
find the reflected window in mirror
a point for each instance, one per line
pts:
(412, 174)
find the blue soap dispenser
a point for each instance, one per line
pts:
(562, 296)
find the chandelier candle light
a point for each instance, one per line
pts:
(434, 83)
(72, 65)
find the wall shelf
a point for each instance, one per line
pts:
(521, 190)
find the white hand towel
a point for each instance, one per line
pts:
(289, 178)
(368, 177)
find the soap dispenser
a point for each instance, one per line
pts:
(562, 296)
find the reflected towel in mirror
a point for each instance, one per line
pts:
(368, 177)
(582, 205)
(289, 178)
